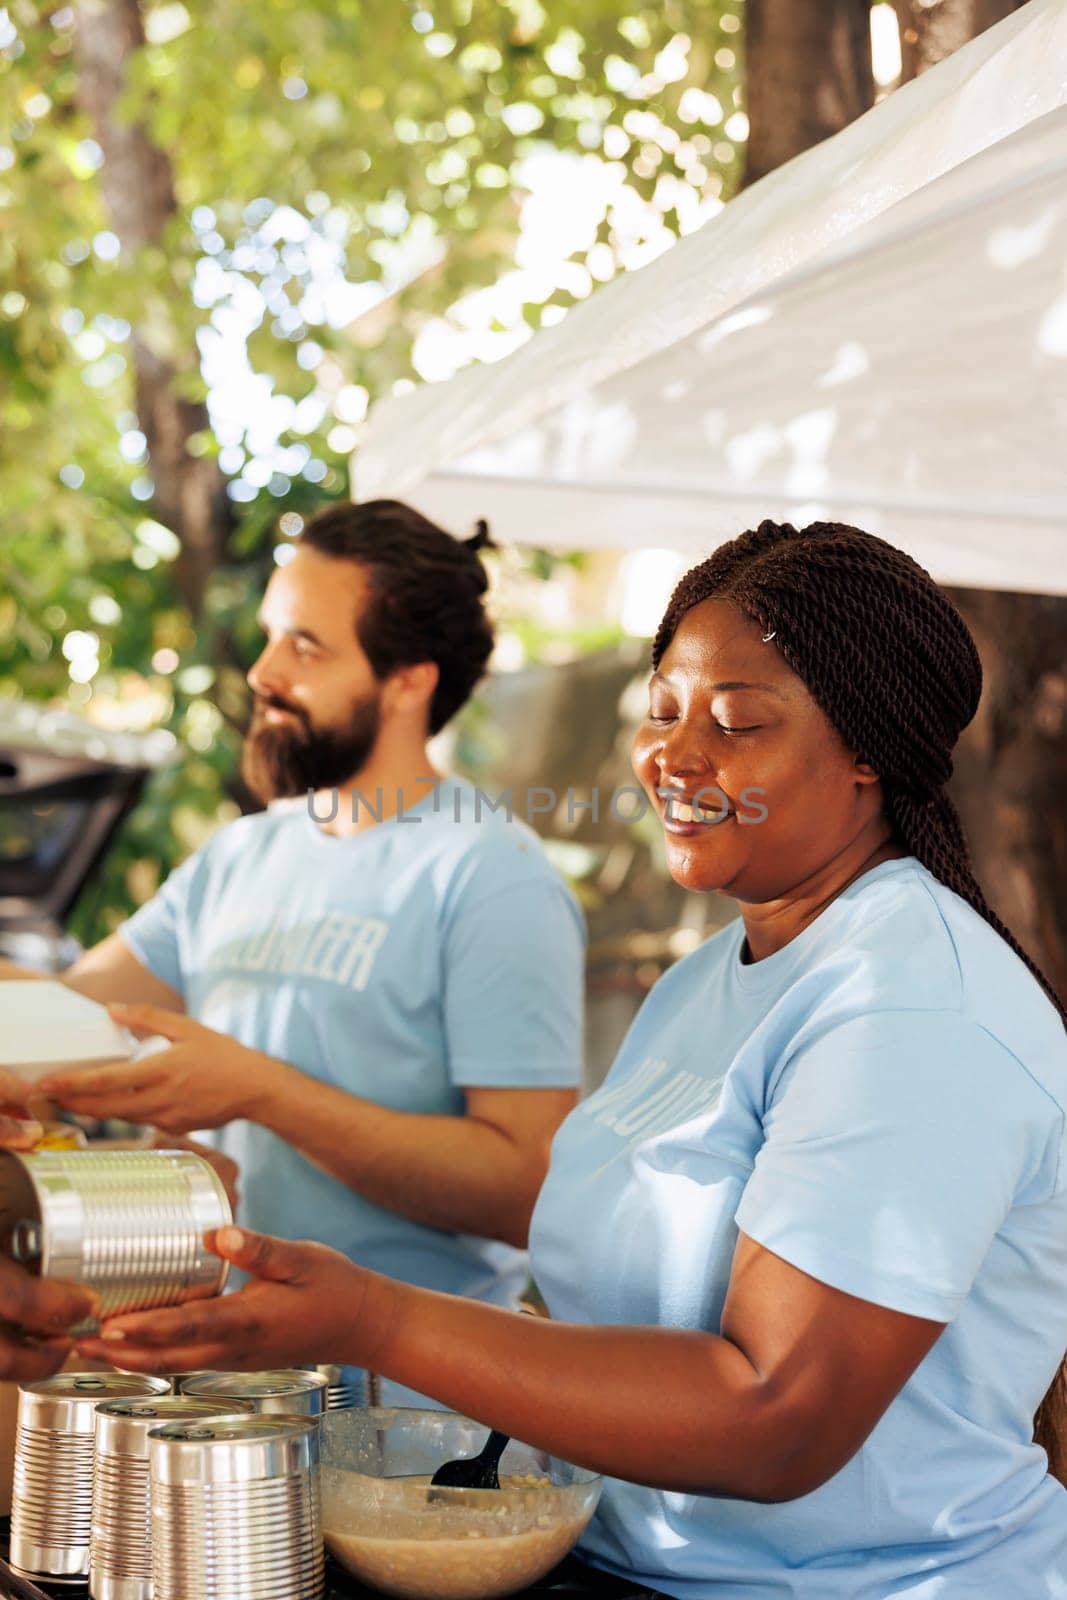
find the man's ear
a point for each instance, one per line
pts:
(410, 689)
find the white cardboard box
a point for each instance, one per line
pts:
(44, 1027)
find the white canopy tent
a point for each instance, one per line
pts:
(875, 333)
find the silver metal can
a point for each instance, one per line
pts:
(51, 1500)
(289, 1392)
(236, 1509)
(342, 1387)
(120, 1550)
(128, 1224)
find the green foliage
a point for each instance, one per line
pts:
(395, 133)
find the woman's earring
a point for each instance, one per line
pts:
(767, 637)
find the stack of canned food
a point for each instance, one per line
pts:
(156, 1495)
(198, 1486)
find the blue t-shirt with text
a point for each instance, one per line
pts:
(431, 953)
(881, 1104)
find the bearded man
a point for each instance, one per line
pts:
(372, 993)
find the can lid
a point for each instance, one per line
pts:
(171, 1405)
(255, 1385)
(251, 1430)
(96, 1385)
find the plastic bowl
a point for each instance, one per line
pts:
(382, 1525)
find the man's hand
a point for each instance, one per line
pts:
(19, 1128)
(305, 1303)
(225, 1167)
(204, 1080)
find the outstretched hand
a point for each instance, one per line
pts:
(305, 1304)
(225, 1167)
(35, 1314)
(19, 1129)
(203, 1079)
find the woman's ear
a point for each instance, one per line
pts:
(865, 773)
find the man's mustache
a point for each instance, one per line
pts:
(274, 702)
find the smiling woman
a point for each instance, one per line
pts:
(808, 1242)
(729, 721)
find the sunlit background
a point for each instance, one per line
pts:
(354, 209)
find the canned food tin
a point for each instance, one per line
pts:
(127, 1223)
(51, 1501)
(288, 1392)
(120, 1551)
(235, 1509)
(342, 1393)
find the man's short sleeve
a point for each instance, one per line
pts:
(156, 933)
(513, 988)
(895, 1146)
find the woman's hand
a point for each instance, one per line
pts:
(305, 1304)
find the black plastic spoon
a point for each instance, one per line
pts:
(473, 1472)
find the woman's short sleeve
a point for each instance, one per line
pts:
(895, 1145)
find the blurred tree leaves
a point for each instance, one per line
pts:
(382, 136)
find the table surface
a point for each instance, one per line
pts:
(570, 1578)
(339, 1586)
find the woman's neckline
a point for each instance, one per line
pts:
(757, 974)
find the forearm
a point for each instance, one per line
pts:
(456, 1173)
(677, 1410)
(106, 973)
(110, 972)
(12, 972)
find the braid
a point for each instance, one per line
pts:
(891, 662)
(933, 834)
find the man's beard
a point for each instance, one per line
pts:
(280, 761)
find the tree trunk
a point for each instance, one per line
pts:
(138, 189)
(1011, 768)
(1011, 765)
(809, 75)
(930, 31)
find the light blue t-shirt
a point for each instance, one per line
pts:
(404, 964)
(881, 1103)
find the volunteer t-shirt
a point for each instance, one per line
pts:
(880, 1103)
(431, 953)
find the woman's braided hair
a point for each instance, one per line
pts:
(891, 662)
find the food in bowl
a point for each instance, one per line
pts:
(384, 1524)
(465, 1551)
